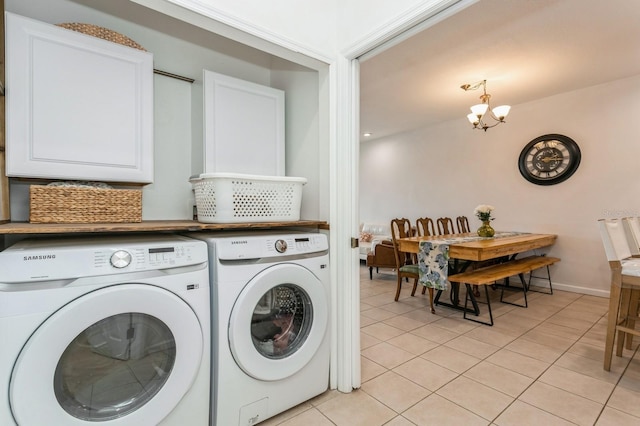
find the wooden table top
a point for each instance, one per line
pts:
(484, 249)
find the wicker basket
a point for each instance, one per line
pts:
(58, 204)
(101, 32)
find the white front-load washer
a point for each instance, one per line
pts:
(270, 294)
(105, 331)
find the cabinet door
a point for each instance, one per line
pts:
(78, 107)
(243, 127)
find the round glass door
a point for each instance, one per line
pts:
(114, 367)
(125, 354)
(278, 322)
(281, 321)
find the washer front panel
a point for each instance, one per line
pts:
(168, 350)
(279, 352)
(32, 260)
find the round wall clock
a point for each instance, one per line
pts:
(549, 159)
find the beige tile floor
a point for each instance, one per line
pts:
(540, 365)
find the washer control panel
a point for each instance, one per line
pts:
(39, 260)
(143, 258)
(269, 246)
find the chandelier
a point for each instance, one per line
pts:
(480, 112)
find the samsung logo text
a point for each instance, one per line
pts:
(39, 257)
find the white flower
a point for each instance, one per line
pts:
(483, 208)
(483, 212)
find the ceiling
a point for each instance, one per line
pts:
(525, 49)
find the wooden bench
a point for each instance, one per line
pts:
(490, 274)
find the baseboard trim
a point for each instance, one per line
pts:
(574, 289)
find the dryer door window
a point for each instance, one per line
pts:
(114, 367)
(281, 321)
(278, 322)
(121, 355)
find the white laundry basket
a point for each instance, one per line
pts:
(234, 198)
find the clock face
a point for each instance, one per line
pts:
(549, 159)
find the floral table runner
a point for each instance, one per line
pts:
(433, 258)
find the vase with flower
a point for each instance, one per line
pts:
(483, 212)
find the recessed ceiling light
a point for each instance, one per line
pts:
(367, 134)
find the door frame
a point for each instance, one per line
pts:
(345, 197)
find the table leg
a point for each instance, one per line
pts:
(455, 300)
(612, 320)
(457, 267)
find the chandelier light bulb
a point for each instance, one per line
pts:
(473, 119)
(479, 109)
(501, 111)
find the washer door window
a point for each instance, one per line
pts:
(278, 322)
(114, 367)
(122, 355)
(281, 321)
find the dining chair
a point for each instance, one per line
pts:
(632, 229)
(625, 287)
(463, 224)
(425, 227)
(406, 263)
(445, 226)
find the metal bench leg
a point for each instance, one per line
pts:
(524, 292)
(471, 297)
(548, 278)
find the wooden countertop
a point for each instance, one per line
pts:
(146, 226)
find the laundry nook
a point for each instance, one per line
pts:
(147, 164)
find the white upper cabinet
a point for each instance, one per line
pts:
(243, 127)
(78, 107)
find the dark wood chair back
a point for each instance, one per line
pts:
(445, 226)
(401, 228)
(425, 227)
(463, 224)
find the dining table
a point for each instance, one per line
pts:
(469, 250)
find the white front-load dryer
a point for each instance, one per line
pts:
(271, 348)
(105, 331)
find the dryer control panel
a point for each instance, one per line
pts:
(269, 246)
(56, 259)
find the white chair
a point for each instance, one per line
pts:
(625, 287)
(632, 229)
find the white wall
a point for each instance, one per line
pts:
(303, 147)
(448, 169)
(309, 24)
